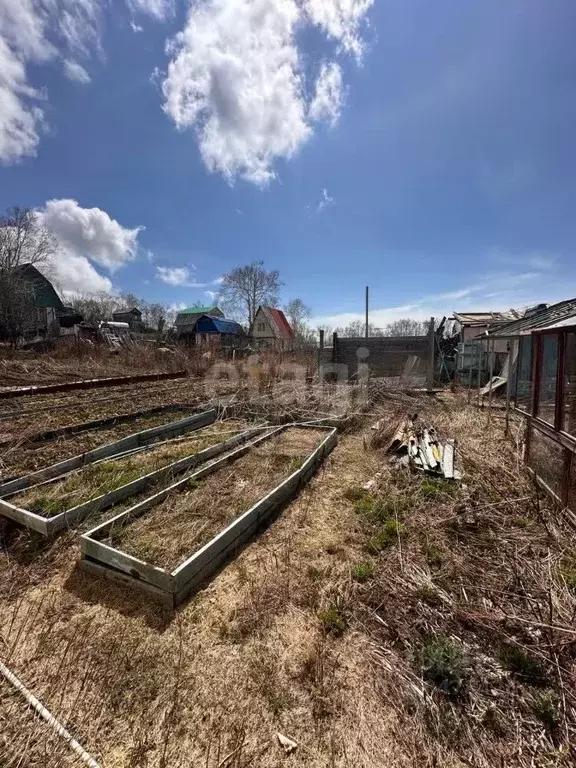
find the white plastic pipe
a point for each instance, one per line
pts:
(48, 717)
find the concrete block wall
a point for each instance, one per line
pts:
(387, 354)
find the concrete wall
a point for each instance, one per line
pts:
(387, 354)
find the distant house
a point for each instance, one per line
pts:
(40, 309)
(186, 318)
(215, 331)
(270, 328)
(475, 325)
(131, 316)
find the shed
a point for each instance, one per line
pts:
(131, 316)
(208, 330)
(186, 318)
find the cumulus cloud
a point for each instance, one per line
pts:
(91, 232)
(74, 274)
(157, 9)
(236, 78)
(76, 72)
(327, 101)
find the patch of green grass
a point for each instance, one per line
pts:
(443, 663)
(429, 595)
(386, 537)
(332, 620)
(524, 666)
(363, 571)
(432, 487)
(567, 572)
(520, 522)
(355, 493)
(546, 707)
(434, 556)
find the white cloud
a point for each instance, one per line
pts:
(211, 294)
(31, 32)
(76, 72)
(341, 20)
(135, 27)
(157, 9)
(91, 232)
(173, 275)
(181, 276)
(236, 78)
(325, 201)
(327, 101)
(74, 274)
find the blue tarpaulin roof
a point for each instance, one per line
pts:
(207, 324)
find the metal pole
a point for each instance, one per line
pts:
(321, 354)
(491, 354)
(366, 311)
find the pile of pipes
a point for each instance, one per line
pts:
(417, 446)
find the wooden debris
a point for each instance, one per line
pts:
(288, 744)
(420, 447)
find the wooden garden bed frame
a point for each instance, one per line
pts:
(47, 526)
(171, 587)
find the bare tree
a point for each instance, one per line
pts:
(95, 307)
(244, 289)
(297, 313)
(357, 329)
(406, 327)
(23, 240)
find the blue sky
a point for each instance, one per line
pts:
(423, 148)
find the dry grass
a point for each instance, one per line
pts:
(193, 515)
(455, 647)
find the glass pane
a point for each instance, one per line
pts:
(548, 368)
(570, 385)
(547, 460)
(523, 385)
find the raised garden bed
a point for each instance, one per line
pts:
(169, 543)
(50, 525)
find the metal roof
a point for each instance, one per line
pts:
(208, 310)
(207, 324)
(538, 321)
(485, 318)
(278, 322)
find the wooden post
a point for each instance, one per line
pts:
(509, 388)
(335, 348)
(469, 370)
(479, 356)
(366, 311)
(491, 375)
(431, 350)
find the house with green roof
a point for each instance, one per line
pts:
(186, 318)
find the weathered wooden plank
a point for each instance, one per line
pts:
(121, 561)
(46, 389)
(448, 459)
(158, 595)
(189, 424)
(22, 516)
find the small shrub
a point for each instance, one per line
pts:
(434, 557)
(363, 571)
(525, 667)
(443, 664)
(332, 620)
(547, 710)
(355, 493)
(432, 487)
(386, 537)
(567, 572)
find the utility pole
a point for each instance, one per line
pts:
(366, 333)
